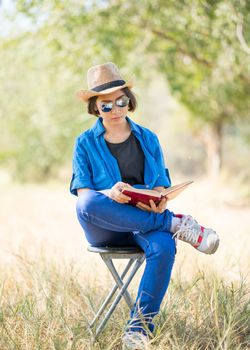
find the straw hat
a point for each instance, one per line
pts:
(103, 79)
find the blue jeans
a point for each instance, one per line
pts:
(108, 223)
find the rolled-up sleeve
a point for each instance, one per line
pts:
(81, 177)
(163, 173)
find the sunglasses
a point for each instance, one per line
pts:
(120, 102)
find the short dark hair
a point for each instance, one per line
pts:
(131, 106)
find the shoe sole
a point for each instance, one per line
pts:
(215, 247)
(212, 250)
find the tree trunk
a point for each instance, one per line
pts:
(211, 138)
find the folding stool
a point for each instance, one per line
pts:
(136, 257)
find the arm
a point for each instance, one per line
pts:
(82, 190)
(113, 193)
(82, 174)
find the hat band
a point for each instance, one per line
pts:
(108, 85)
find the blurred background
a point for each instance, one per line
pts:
(190, 62)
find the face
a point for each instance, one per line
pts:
(119, 103)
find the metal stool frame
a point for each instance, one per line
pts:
(136, 257)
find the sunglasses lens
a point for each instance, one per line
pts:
(122, 102)
(107, 107)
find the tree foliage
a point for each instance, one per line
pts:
(200, 46)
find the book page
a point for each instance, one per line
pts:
(142, 191)
(174, 191)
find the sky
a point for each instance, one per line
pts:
(11, 25)
(7, 24)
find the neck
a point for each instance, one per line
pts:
(115, 129)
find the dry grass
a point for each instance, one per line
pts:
(50, 286)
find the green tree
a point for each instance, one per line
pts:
(201, 49)
(200, 46)
(38, 118)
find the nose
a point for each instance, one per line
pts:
(115, 109)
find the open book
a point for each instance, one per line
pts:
(141, 195)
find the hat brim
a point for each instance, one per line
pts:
(85, 95)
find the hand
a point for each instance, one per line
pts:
(116, 194)
(160, 208)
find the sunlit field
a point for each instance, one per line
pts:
(51, 287)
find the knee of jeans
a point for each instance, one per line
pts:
(85, 202)
(164, 248)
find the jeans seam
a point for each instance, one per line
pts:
(148, 245)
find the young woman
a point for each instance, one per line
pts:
(114, 152)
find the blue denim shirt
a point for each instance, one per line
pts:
(94, 166)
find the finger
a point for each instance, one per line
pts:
(141, 207)
(115, 196)
(123, 197)
(122, 202)
(163, 201)
(120, 183)
(118, 200)
(152, 204)
(162, 204)
(161, 210)
(120, 195)
(128, 185)
(145, 206)
(121, 190)
(120, 186)
(127, 198)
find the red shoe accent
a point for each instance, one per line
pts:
(199, 239)
(180, 216)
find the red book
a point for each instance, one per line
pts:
(141, 195)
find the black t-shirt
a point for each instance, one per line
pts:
(130, 158)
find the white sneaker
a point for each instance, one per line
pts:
(134, 340)
(203, 239)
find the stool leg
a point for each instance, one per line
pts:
(119, 295)
(110, 295)
(118, 280)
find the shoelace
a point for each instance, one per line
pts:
(131, 339)
(188, 233)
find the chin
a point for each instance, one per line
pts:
(118, 117)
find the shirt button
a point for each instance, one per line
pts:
(147, 186)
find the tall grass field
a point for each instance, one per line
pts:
(51, 286)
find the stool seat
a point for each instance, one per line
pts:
(116, 250)
(136, 257)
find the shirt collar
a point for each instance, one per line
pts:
(99, 129)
